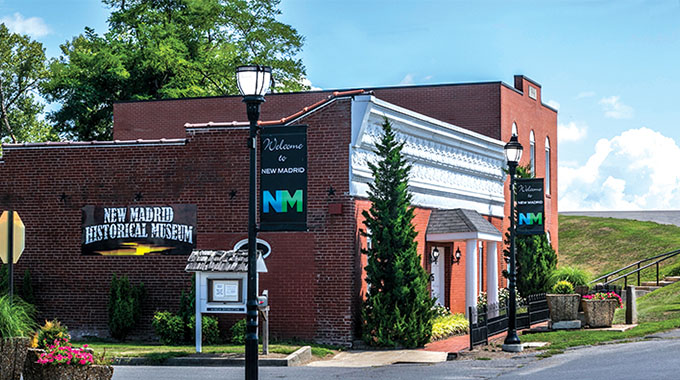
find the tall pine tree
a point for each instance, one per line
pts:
(398, 307)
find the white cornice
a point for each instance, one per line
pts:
(452, 167)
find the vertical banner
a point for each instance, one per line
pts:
(530, 207)
(283, 178)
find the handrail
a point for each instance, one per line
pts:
(673, 253)
(661, 257)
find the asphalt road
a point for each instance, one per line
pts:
(657, 358)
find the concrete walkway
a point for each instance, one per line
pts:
(381, 358)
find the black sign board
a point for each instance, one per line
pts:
(139, 230)
(530, 208)
(283, 178)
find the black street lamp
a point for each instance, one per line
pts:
(253, 82)
(513, 153)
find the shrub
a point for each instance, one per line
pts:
(51, 331)
(563, 287)
(125, 304)
(576, 276)
(16, 318)
(210, 331)
(238, 332)
(452, 324)
(169, 327)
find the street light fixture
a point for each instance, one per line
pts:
(253, 82)
(513, 153)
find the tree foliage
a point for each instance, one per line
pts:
(398, 307)
(536, 258)
(22, 69)
(158, 49)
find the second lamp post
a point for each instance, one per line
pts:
(513, 153)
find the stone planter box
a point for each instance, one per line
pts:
(35, 371)
(599, 313)
(12, 355)
(563, 307)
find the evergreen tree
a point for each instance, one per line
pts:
(536, 258)
(398, 307)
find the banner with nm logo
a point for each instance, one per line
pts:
(283, 178)
(530, 207)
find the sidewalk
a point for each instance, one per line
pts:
(462, 342)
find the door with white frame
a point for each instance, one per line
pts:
(437, 275)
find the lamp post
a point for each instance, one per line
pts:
(513, 153)
(253, 82)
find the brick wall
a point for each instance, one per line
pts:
(311, 274)
(530, 114)
(475, 106)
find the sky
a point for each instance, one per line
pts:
(611, 68)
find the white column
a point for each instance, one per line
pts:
(492, 275)
(470, 274)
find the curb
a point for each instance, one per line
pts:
(300, 357)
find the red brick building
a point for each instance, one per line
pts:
(187, 151)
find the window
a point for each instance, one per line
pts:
(547, 166)
(532, 153)
(262, 246)
(514, 129)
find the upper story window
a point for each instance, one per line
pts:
(514, 129)
(532, 153)
(547, 165)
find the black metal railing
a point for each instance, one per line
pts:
(652, 261)
(489, 320)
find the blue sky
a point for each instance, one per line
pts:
(611, 68)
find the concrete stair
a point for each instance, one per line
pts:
(650, 286)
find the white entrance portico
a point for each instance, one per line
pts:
(469, 226)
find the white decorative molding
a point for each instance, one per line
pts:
(452, 167)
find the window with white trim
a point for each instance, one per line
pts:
(532, 153)
(547, 165)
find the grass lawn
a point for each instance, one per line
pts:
(159, 352)
(601, 245)
(657, 311)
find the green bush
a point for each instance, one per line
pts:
(238, 332)
(125, 306)
(16, 318)
(563, 287)
(576, 276)
(169, 327)
(51, 331)
(452, 324)
(210, 331)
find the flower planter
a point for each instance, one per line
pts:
(35, 371)
(599, 313)
(12, 355)
(563, 307)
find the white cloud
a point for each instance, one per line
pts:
(308, 83)
(571, 132)
(554, 104)
(585, 94)
(33, 26)
(635, 170)
(408, 79)
(613, 108)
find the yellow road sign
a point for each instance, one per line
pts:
(18, 242)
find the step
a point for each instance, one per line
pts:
(653, 283)
(672, 278)
(648, 288)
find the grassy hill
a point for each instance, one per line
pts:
(601, 245)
